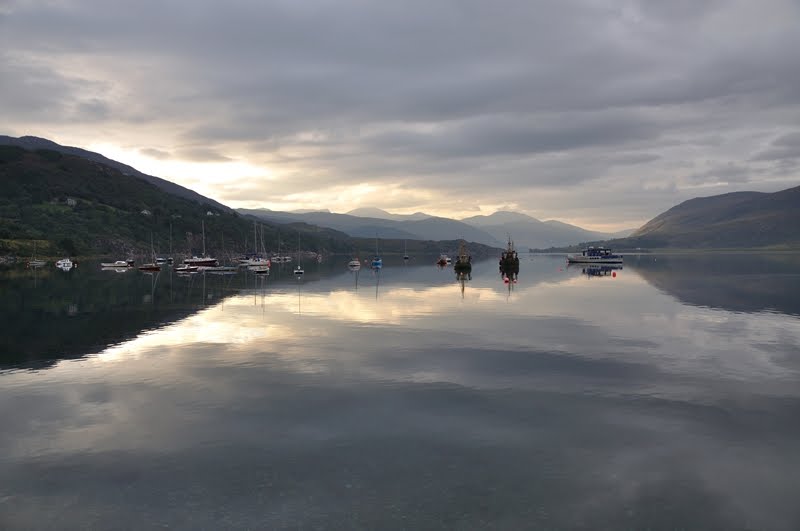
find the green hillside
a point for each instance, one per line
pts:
(739, 220)
(735, 220)
(73, 206)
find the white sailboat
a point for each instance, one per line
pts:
(298, 270)
(34, 262)
(205, 260)
(153, 265)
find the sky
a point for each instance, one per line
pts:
(602, 113)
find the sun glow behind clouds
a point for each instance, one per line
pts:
(205, 177)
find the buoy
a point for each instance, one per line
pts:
(613, 274)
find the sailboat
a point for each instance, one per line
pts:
(298, 270)
(377, 262)
(258, 264)
(34, 262)
(205, 260)
(354, 264)
(152, 266)
(405, 250)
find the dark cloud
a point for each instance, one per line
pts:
(420, 94)
(201, 155)
(782, 148)
(155, 153)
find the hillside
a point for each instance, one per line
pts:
(33, 143)
(738, 220)
(71, 205)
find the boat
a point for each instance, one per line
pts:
(463, 263)
(64, 264)
(256, 259)
(354, 264)
(186, 269)
(377, 261)
(443, 260)
(509, 262)
(298, 270)
(595, 255)
(405, 250)
(152, 266)
(34, 262)
(118, 264)
(205, 260)
(259, 269)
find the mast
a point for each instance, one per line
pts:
(203, 224)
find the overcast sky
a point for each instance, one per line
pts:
(597, 112)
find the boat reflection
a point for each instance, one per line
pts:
(597, 270)
(462, 277)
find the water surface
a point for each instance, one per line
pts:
(664, 395)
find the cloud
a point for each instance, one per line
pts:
(201, 155)
(783, 148)
(453, 96)
(155, 153)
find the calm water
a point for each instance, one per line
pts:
(665, 395)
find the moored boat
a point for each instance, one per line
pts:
(117, 264)
(509, 262)
(64, 264)
(595, 255)
(464, 261)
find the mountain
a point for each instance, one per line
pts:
(529, 232)
(734, 220)
(33, 143)
(427, 228)
(498, 218)
(72, 205)
(368, 212)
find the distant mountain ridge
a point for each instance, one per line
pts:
(427, 228)
(34, 143)
(529, 232)
(370, 212)
(493, 230)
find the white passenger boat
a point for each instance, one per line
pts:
(595, 255)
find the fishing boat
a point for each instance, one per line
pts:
(463, 263)
(509, 262)
(595, 255)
